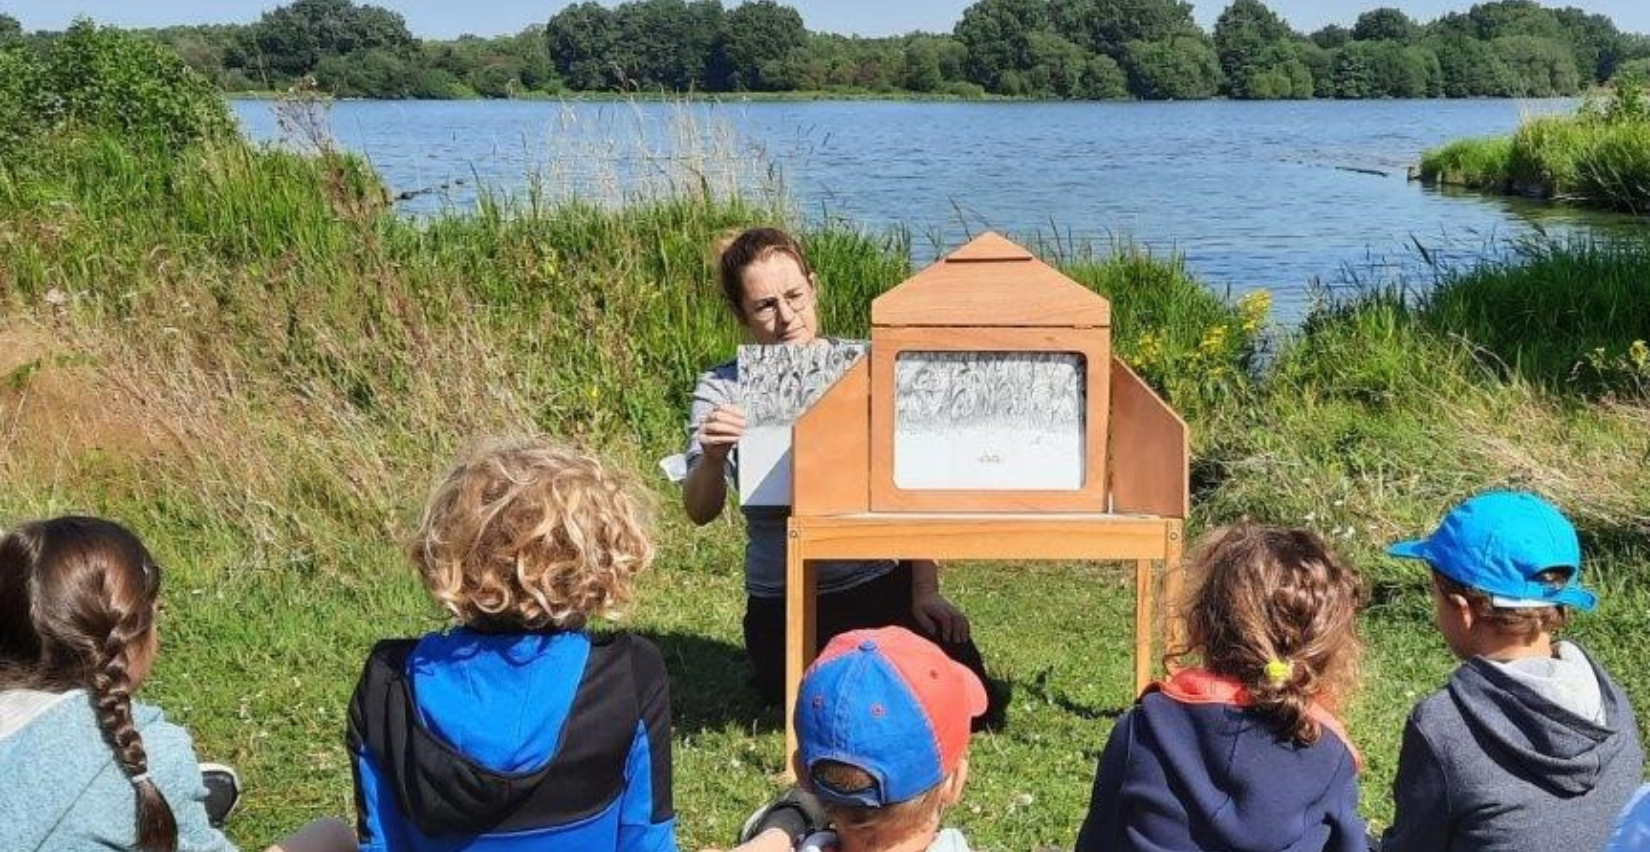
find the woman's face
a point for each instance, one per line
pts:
(779, 304)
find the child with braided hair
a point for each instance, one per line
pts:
(87, 765)
(1241, 748)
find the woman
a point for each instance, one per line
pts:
(767, 282)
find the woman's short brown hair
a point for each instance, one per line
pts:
(1270, 595)
(524, 535)
(734, 254)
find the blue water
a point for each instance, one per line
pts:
(1290, 196)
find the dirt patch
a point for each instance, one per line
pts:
(59, 404)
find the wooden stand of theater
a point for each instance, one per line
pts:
(989, 296)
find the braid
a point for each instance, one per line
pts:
(157, 828)
(77, 608)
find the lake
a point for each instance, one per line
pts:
(1294, 197)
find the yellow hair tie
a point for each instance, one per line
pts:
(1279, 672)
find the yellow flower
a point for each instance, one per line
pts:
(1253, 309)
(1214, 340)
(1639, 354)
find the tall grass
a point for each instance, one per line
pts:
(1475, 163)
(1597, 158)
(252, 359)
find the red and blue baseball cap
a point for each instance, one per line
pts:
(890, 703)
(1499, 542)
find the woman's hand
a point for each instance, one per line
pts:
(939, 617)
(721, 431)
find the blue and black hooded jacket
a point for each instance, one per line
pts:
(499, 742)
(1191, 767)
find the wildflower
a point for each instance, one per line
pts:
(1214, 340)
(1253, 309)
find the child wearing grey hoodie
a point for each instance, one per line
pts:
(1531, 746)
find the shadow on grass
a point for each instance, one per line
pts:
(708, 688)
(1041, 687)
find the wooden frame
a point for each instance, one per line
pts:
(1094, 345)
(1154, 544)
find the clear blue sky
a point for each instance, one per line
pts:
(445, 18)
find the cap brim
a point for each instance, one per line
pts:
(1579, 598)
(1413, 549)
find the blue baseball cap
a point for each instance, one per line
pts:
(1499, 542)
(891, 704)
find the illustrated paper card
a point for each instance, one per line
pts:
(990, 421)
(779, 383)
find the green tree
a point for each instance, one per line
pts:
(1542, 67)
(1472, 69)
(1057, 68)
(1103, 80)
(292, 39)
(664, 43)
(1108, 26)
(1332, 36)
(369, 73)
(1385, 69)
(932, 62)
(112, 80)
(1594, 40)
(1633, 69)
(756, 34)
(1384, 24)
(1182, 68)
(10, 28)
(1319, 64)
(580, 41)
(1247, 37)
(1504, 18)
(23, 103)
(997, 36)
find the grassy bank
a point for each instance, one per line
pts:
(249, 358)
(1597, 158)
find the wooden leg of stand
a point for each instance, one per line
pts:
(1174, 576)
(1145, 581)
(801, 598)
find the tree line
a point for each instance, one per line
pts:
(1073, 49)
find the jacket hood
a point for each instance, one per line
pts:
(497, 699)
(480, 732)
(1242, 788)
(1525, 730)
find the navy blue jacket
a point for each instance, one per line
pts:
(553, 742)
(1189, 768)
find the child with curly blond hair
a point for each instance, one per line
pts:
(517, 728)
(1243, 748)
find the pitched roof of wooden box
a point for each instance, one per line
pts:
(991, 282)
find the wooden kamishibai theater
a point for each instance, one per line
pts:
(990, 421)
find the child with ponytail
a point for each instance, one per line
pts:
(1242, 747)
(86, 766)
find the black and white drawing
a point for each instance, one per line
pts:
(993, 421)
(779, 383)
